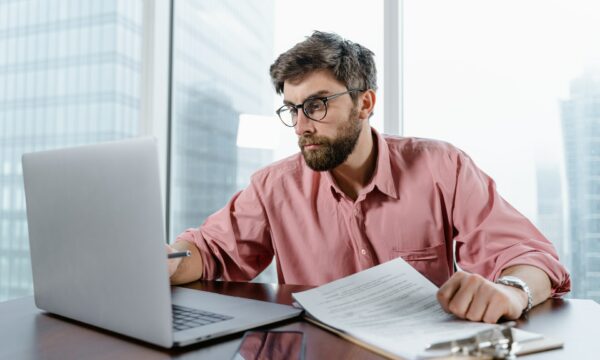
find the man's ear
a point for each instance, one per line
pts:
(366, 103)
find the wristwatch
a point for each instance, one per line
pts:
(519, 284)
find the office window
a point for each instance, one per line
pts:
(223, 104)
(516, 85)
(69, 74)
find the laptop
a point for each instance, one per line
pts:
(97, 241)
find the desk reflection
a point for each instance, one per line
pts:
(271, 345)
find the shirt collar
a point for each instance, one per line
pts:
(382, 176)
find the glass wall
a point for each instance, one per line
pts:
(516, 84)
(219, 73)
(69, 75)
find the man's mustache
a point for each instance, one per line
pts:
(311, 140)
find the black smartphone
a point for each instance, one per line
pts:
(271, 345)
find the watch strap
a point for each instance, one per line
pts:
(519, 284)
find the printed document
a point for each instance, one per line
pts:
(391, 307)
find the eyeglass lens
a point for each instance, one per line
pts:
(314, 109)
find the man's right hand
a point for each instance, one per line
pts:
(173, 263)
(186, 269)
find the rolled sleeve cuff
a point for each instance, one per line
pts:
(210, 270)
(558, 275)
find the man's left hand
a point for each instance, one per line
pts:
(472, 297)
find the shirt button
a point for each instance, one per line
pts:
(363, 251)
(355, 212)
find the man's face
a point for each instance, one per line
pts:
(324, 144)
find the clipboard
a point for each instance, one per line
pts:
(545, 343)
(523, 347)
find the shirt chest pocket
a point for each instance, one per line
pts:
(431, 262)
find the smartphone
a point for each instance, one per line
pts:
(271, 345)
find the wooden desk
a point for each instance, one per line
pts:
(28, 333)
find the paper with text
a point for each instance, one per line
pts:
(390, 306)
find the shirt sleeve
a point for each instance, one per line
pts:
(491, 235)
(235, 242)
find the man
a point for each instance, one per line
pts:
(353, 199)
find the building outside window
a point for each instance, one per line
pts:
(516, 85)
(69, 75)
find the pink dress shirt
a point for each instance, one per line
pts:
(424, 196)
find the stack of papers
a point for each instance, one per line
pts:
(391, 309)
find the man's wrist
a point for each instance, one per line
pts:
(517, 283)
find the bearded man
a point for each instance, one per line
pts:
(353, 198)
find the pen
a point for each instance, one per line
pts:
(179, 254)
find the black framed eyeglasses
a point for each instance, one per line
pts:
(315, 108)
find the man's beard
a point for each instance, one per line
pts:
(332, 152)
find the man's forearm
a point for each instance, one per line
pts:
(536, 279)
(190, 268)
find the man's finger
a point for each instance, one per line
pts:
(494, 311)
(480, 303)
(448, 289)
(460, 302)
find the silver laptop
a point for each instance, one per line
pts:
(97, 249)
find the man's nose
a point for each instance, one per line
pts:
(304, 124)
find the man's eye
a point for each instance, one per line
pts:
(313, 106)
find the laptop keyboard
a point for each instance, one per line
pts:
(186, 318)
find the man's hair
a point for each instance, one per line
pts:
(351, 63)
